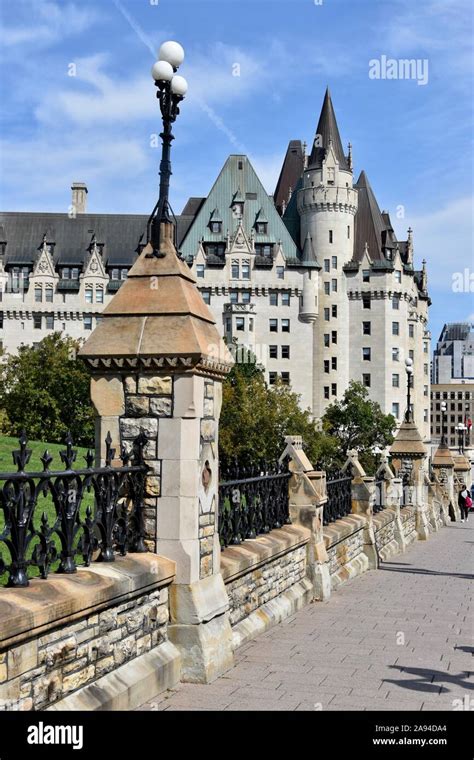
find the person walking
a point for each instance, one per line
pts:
(464, 502)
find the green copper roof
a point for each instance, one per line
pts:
(238, 176)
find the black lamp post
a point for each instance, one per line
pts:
(443, 424)
(461, 431)
(409, 371)
(171, 90)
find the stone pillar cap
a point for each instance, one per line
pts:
(158, 321)
(408, 442)
(443, 457)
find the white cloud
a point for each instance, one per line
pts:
(445, 238)
(47, 23)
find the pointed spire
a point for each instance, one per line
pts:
(327, 132)
(349, 156)
(424, 277)
(309, 254)
(410, 246)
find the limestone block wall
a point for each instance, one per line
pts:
(384, 532)
(47, 656)
(408, 518)
(344, 540)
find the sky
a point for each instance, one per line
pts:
(79, 105)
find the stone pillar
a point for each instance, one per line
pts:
(410, 456)
(462, 477)
(363, 500)
(393, 499)
(443, 472)
(157, 364)
(307, 492)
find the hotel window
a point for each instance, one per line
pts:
(251, 324)
(273, 299)
(272, 377)
(366, 354)
(273, 352)
(285, 352)
(366, 300)
(234, 271)
(334, 311)
(285, 378)
(49, 322)
(285, 325)
(327, 265)
(331, 175)
(334, 336)
(261, 228)
(411, 354)
(395, 380)
(49, 293)
(330, 236)
(285, 298)
(366, 328)
(245, 296)
(74, 273)
(233, 296)
(366, 380)
(206, 296)
(348, 232)
(396, 410)
(89, 294)
(334, 286)
(425, 392)
(273, 325)
(87, 322)
(425, 415)
(228, 324)
(327, 288)
(395, 354)
(65, 273)
(326, 391)
(327, 340)
(99, 295)
(200, 270)
(38, 293)
(115, 274)
(123, 274)
(396, 302)
(398, 276)
(216, 227)
(395, 328)
(37, 321)
(240, 324)
(425, 348)
(326, 366)
(366, 275)
(334, 389)
(425, 369)
(245, 271)
(411, 331)
(334, 362)
(334, 262)
(326, 314)
(280, 273)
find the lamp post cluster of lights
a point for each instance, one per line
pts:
(409, 371)
(171, 90)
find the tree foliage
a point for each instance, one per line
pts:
(45, 390)
(359, 423)
(255, 419)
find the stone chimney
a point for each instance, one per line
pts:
(79, 197)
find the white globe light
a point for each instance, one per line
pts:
(408, 362)
(172, 52)
(179, 86)
(162, 71)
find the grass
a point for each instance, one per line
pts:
(44, 503)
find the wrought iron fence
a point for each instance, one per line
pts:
(339, 491)
(379, 495)
(68, 530)
(252, 500)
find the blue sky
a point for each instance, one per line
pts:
(414, 141)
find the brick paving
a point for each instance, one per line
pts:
(397, 638)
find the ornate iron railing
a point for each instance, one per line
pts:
(339, 491)
(252, 500)
(379, 495)
(65, 532)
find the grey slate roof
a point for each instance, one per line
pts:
(328, 130)
(291, 171)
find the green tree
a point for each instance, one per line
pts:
(359, 423)
(256, 418)
(45, 390)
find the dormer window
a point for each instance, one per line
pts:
(215, 222)
(331, 175)
(238, 209)
(261, 228)
(216, 227)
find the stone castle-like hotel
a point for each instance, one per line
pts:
(312, 279)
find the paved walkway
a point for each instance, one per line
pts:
(398, 638)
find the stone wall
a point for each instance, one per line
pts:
(408, 518)
(85, 630)
(266, 579)
(384, 532)
(344, 540)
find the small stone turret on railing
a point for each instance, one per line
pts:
(72, 530)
